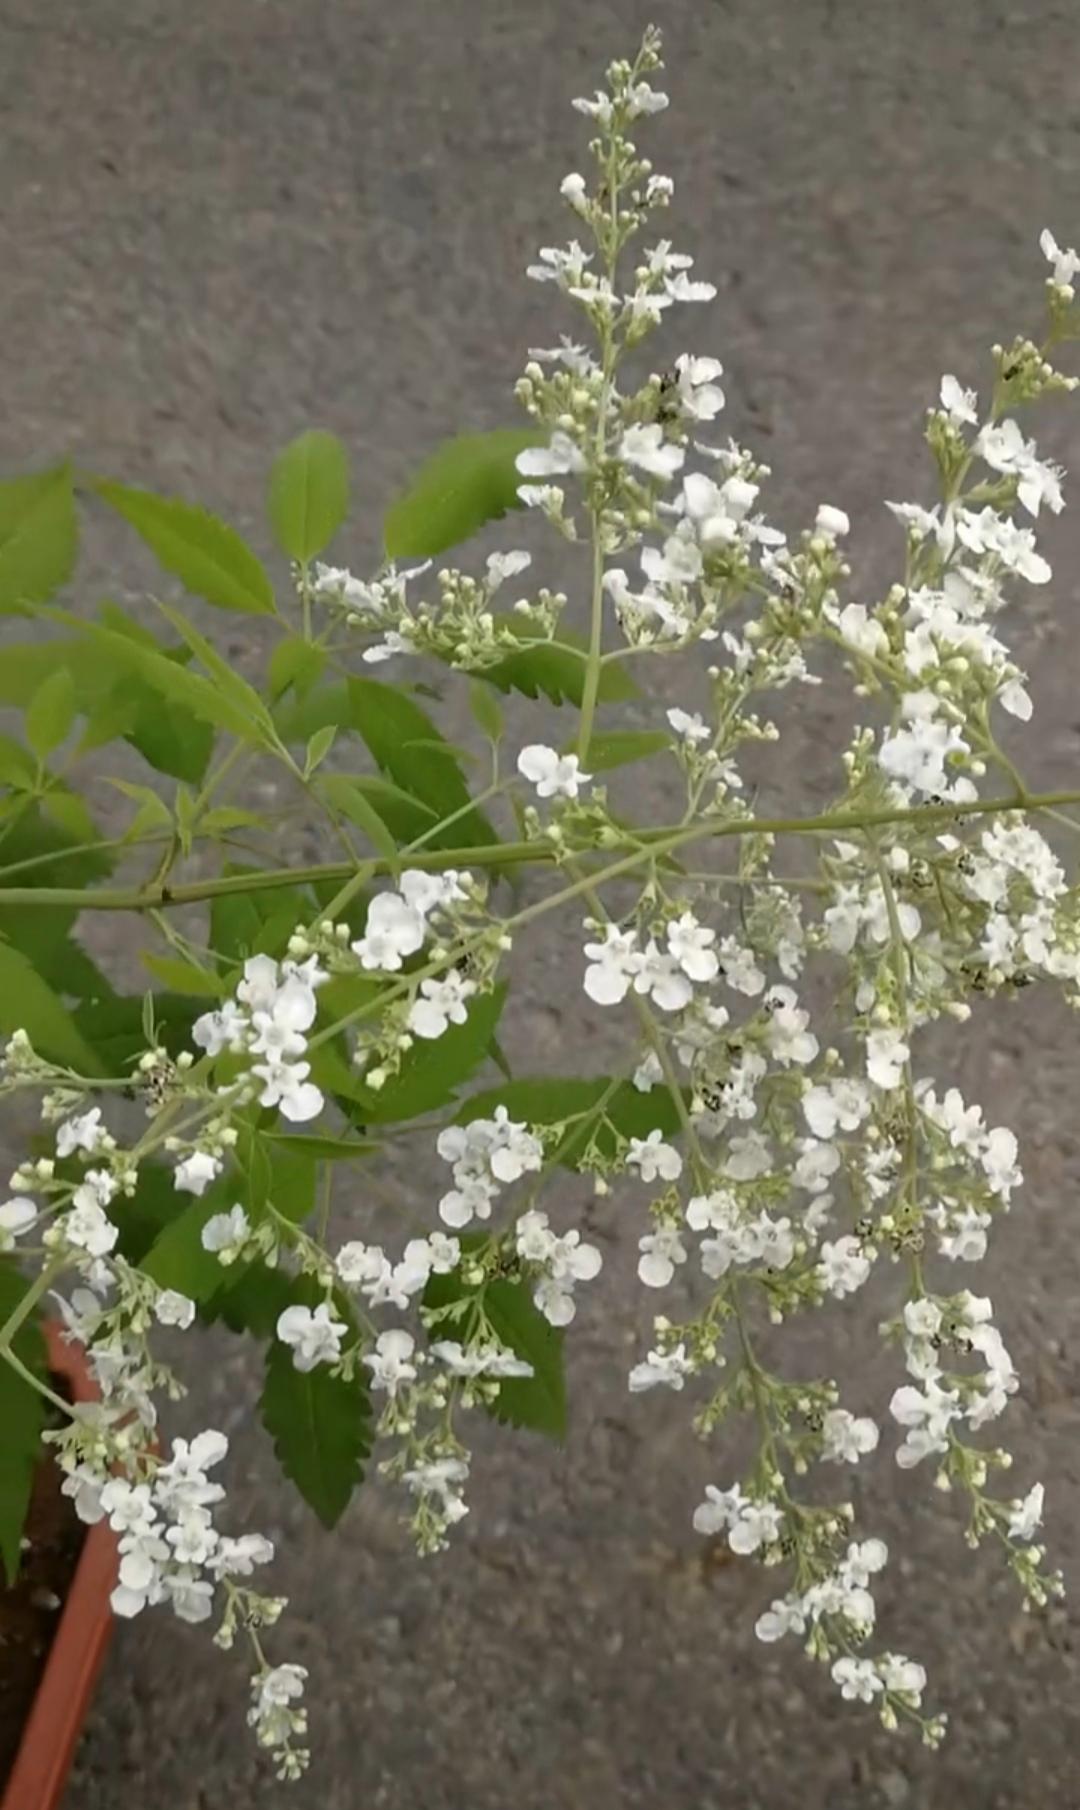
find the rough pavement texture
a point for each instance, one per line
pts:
(226, 221)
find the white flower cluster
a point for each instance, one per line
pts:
(560, 1261)
(485, 1155)
(273, 1009)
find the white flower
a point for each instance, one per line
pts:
(86, 1132)
(196, 1172)
(613, 965)
(690, 945)
(787, 1036)
(886, 1054)
(922, 1318)
(1066, 263)
(831, 522)
(315, 1337)
(903, 1675)
(479, 1360)
(472, 1199)
(286, 1087)
(501, 566)
(572, 189)
(554, 775)
(965, 1241)
(514, 1150)
(644, 446)
(16, 1216)
(1025, 1518)
(862, 631)
(560, 454)
(661, 1369)
(757, 1524)
(835, 1106)
(660, 976)
(846, 1438)
(173, 1309)
(654, 1159)
(226, 1233)
(660, 1252)
(959, 404)
(86, 1225)
(700, 396)
(1004, 449)
(226, 1029)
(389, 1362)
(692, 728)
(720, 1508)
(393, 930)
(441, 1004)
(927, 1414)
(784, 1616)
(843, 1267)
(857, 1678)
(916, 756)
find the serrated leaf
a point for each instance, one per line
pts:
(38, 536)
(388, 722)
(50, 713)
(309, 494)
(113, 1024)
(556, 670)
(22, 1418)
(153, 812)
(29, 1004)
(205, 554)
(466, 482)
(320, 1425)
(618, 747)
(246, 923)
(537, 1402)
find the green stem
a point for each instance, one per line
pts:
(645, 846)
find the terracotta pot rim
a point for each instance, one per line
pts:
(55, 1722)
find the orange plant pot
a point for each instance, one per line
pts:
(56, 1719)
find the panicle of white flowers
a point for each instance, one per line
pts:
(781, 1160)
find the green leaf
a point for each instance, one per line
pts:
(22, 1418)
(50, 713)
(208, 557)
(176, 1259)
(320, 1149)
(465, 483)
(318, 748)
(182, 977)
(153, 812)
(389, 721)
(537, 1402)
(178, 686)
(618, 747)
(344, 795)
(16, 767)
(486, 713)
(320, 1425)
(432, 1072)
(556, 671)
(38, 536)
(28, 1003)
(295, 665)
(229, 682)
(309, 494)
(247, 923)
(628, 1112)
(405, 818)
(113, 1024)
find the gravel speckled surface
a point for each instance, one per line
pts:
(224, 221)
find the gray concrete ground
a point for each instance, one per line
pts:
(222, 222)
